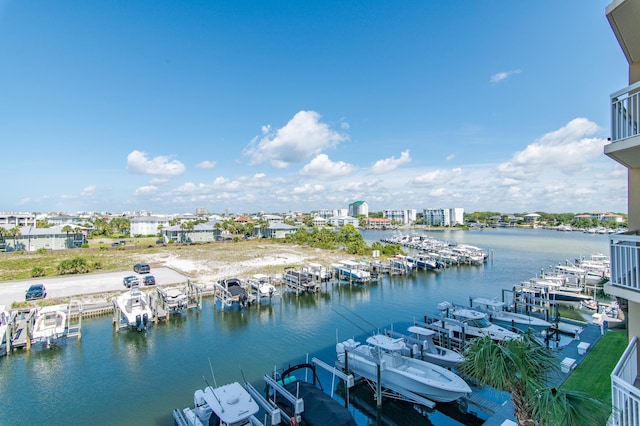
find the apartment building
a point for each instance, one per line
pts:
(624, 18)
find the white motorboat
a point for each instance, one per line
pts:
(225, 406)
(400, 373)
(175, 300)
(134, 308)
(349, 270)
(318, 272)
(473, 323)
(50, 324)
(498, 314)
(433, 353)
(261, 284)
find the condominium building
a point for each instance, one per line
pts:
(444, 217)
(404, 217)
(624, 18)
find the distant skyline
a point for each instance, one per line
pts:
(253, 106)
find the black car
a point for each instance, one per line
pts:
(141, 268)
(149, 280)
(36, 291)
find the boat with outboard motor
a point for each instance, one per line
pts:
(499, 314)
(470, 322)
(175, 300)
(50, 324)
(231, 290)
(134, 307)
(431, 352)
(399, 373)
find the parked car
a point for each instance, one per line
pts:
(149, 280)
(36, 291)
(141, 268)
(130, 280)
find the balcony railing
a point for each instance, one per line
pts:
(624, 251)
(625, 395)
(625, 112)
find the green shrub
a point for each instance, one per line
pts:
(37, 272)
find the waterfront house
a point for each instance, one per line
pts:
(276, 230)
(377, 223)
(624, 16)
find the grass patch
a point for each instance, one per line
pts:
(593, 375)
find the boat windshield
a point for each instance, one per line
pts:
(480, 323)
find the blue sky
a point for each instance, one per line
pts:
(276, 106)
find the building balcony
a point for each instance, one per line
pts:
(625, 132)
(624, 389)
(624, 254)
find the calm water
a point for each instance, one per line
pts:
(138, 378)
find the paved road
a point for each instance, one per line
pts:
(73, 285)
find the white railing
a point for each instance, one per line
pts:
(625, 112)
(624, 251)
(625, 400)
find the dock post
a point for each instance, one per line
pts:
(378, 386)
(28, 335)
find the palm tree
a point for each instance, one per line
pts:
(523, 367)
(67, 229)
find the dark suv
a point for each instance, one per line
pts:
(149, 280)
(141, 268)
(36, 291)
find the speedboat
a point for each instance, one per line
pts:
(471, 322)
(433, 353)
(50, 324)
(498, 314)
(134, 308)
(400, 373)
(318, 408)
(225, 406)
(175, 300)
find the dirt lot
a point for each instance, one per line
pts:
(170, 265)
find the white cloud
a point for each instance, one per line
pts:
(567, 150)
(145, 190)
(451, 157)
(436, 177)
(206, 164)
(308, 189)
(390, 164)
(321, 167)
(88, 191)
(137, 162)
(503, 75)
(301, 138)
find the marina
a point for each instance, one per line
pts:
(172, 356)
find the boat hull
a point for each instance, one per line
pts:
(401, 373)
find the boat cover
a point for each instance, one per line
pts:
(319, 408)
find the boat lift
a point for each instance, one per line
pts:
(297, 404)
(400, 394)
